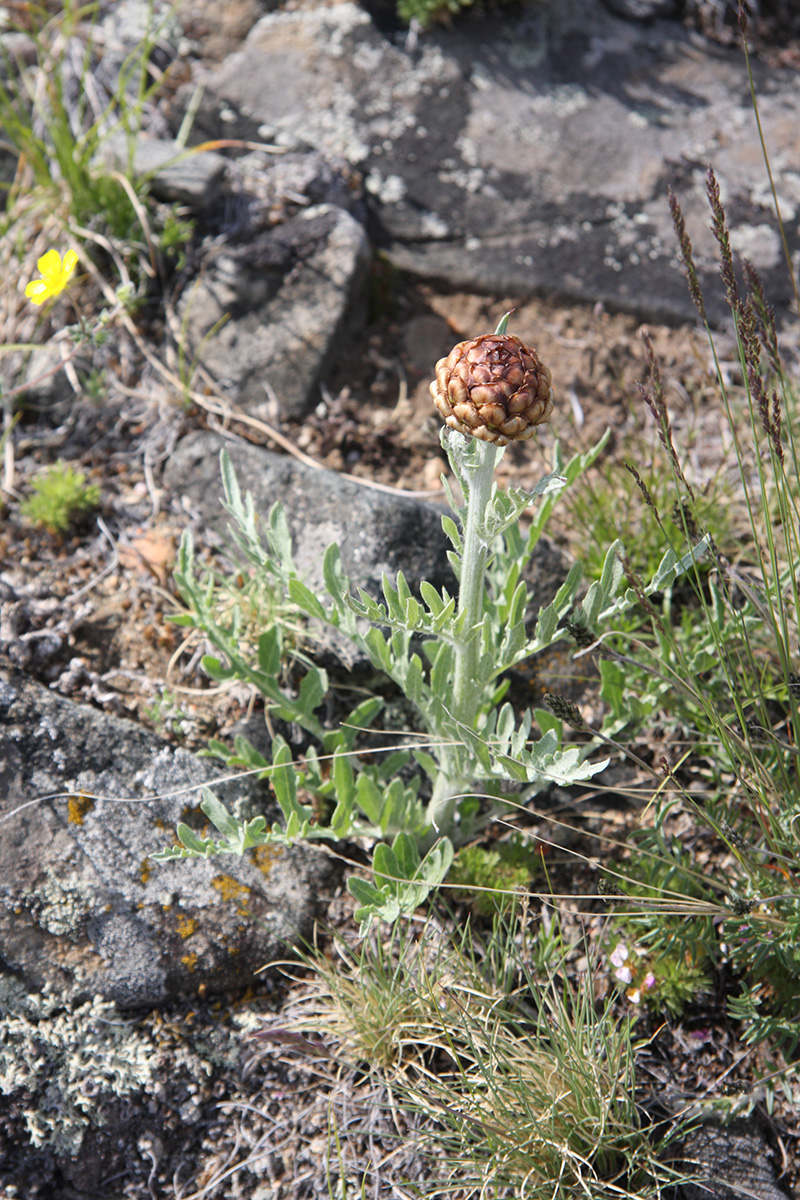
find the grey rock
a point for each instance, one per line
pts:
(178, 175)
(644, 10)
(134, 37)
(265, 190)
(85, 798)
(266, 318)
(376, 532)
(47, 385)
(91, 1093)
(215, 29)
(729, 1161)
(530, 154)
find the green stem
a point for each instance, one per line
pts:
(476, 471)
(466, 694)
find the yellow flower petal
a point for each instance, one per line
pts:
(37, 292)
(49, 264)
(55, 276)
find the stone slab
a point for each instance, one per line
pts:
(85, 798)
(530, 153)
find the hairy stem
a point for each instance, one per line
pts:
(466, 695)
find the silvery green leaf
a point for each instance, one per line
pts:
(551, 483)
(336, 582)
(452, 532)
(671, 567)
(313, 690)
(196, 846)
(304, 598)
(280, 543)
(218, 814)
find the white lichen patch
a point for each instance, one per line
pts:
(65, 1066)
(433, 226)
(560, 101)
(788, 193)
(470, 180)
(389, 189)
(60, 903)
(758, 243)
(64, 1060)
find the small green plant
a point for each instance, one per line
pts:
(166, 713)
(518, 1084)
(426, 13)
(491, 881)
(58, 136)
(668, 980)
(176, 232)
(61, 497)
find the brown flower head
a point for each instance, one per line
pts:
(493, 387)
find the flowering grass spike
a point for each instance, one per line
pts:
(55, 276)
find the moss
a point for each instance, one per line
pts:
(488, 879)
(60, 497)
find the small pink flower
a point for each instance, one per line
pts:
(649, 981)
(634, 995)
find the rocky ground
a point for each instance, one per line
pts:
(85, 614)
(111, 643)
(89, 619)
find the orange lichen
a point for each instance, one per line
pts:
(144, 870)
(78, 807)
(189, 961)
(228, 888)
(186, 926)
(264, 857)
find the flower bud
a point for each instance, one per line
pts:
(493, 387)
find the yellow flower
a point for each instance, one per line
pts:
(55, 276)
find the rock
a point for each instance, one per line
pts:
(133, 38)
(266, 189)
(177, 176)
(48, 386)
(85, 798)
(644, 10)
(376, 532)
(531, 153)
(267, 317)
(729, 1161)
(218, 29)
(91, 1094)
